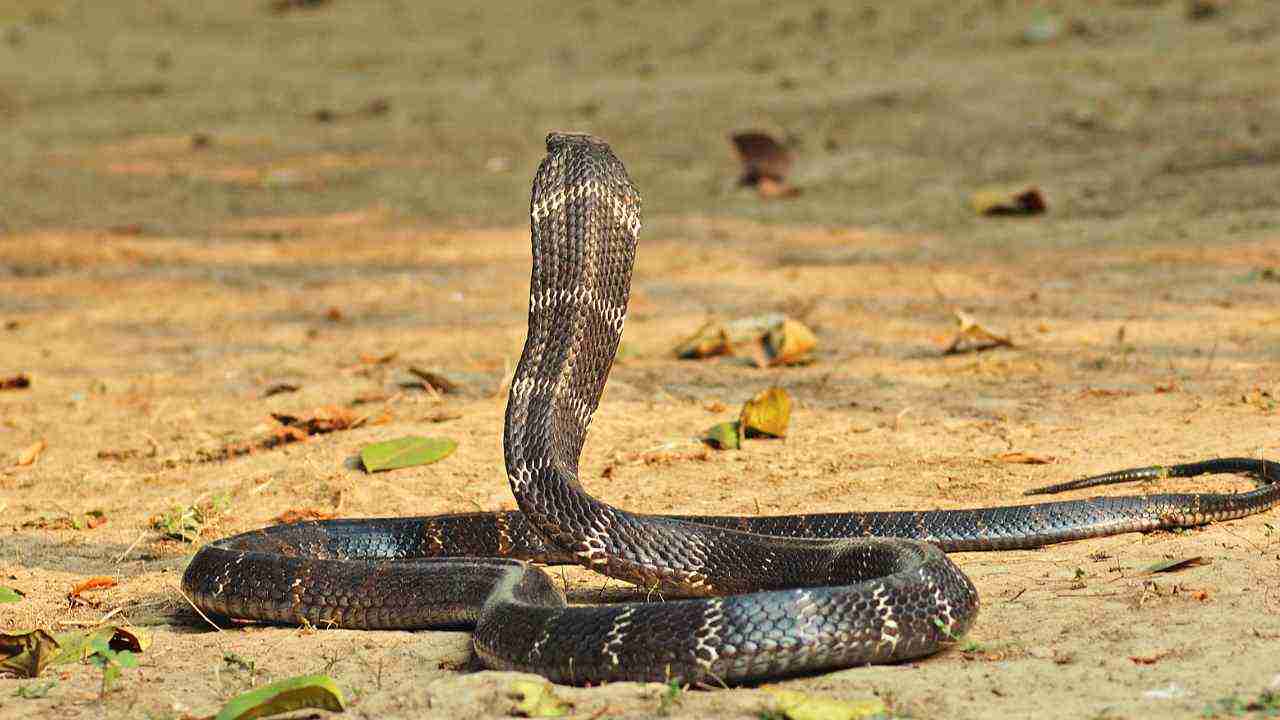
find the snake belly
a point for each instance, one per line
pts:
(763, 597)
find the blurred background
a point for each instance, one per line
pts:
(1138, 119)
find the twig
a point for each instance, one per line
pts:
(90, 623)
(131, 547)
(1213, 353)
(199, 612)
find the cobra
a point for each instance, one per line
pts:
(762, 597)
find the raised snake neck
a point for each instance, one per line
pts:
(818, 594)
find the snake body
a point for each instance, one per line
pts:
(763, 597)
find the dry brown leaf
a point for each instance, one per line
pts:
(762, 157)
(1021, 458)
(327, 419)
(1151, 659)
(100, 582)
(973, 337)
(434, 380)
(29, 454)
(1104, 392)
(15, 382)
(1176, 565)
(294, 515)
(769, 188)
(769, 339)
(368, 359)
(279, 389)
(1026, 201)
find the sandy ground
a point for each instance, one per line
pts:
(202, 202)
(160, 350)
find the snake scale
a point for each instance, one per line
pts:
(762, 597)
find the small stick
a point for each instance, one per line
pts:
(198, 610)
(130, 548)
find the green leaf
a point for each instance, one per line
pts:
(33, 691)
(106, 642)
(126, 659)
(296, 693)
(535, 699)
(800, 706)
(9, 595)
(723, 436)
(26, 654)
(405, 452)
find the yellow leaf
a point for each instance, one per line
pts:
(767, 414)
(789, 343)
(799, 706)
(536, 699)
(31, 452)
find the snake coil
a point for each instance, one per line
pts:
(766, 596)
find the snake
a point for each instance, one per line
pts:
(738, 599)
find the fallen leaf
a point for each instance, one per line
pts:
(378, 359)
(537, 699)
(29, 454)
(790, 343)
(1205, 9)
(128, 229)
(330, 418)
(77, 645)
(297, 693)
(769, 189)
(1021, 458)
(434, 380)
(1104, 392)
(1168, 566)
(765, 163)
(279, 389)
(15, 382)
(1150, 659)
(973, 337)
(10, 595)
(26, 654)
(93, 583)
(723, 436)
(802, 706)
(119, 454)
(769, 339)
(92, 519)
(1027, 201)
(767, 414)
(292, 515)
(280, 7)
(405, 452)
(366, 398)
(333, 314)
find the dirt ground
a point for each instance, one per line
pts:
(182, 227)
